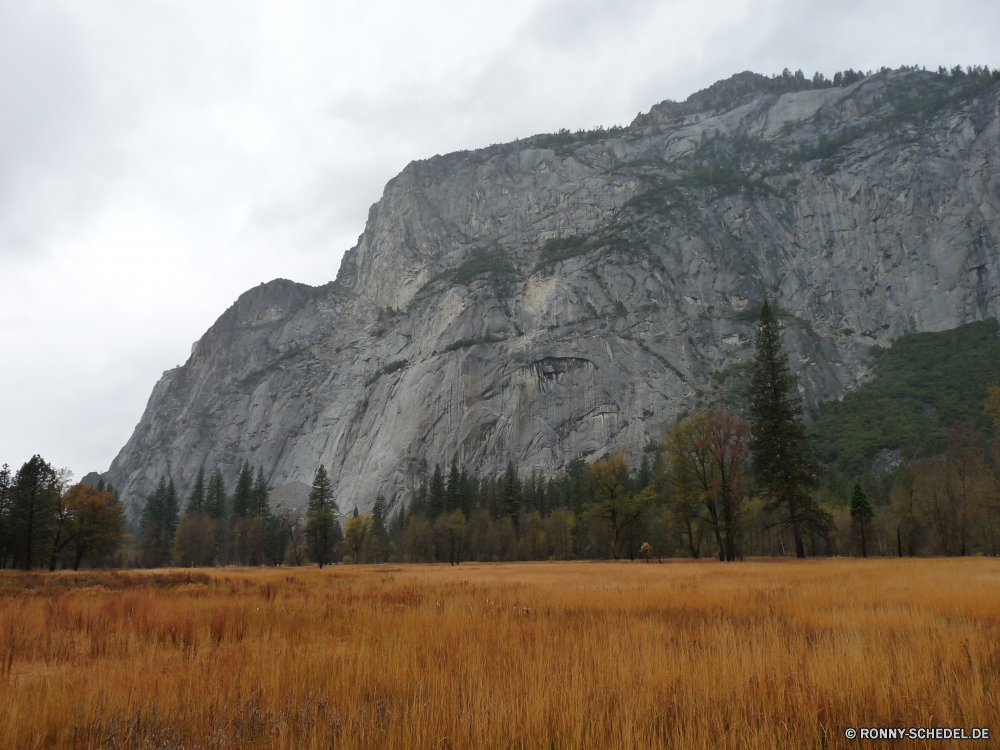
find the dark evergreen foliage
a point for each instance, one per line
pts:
(216, 502)
(260, 503)
(33, 498)
(323, 527)
(196, 501)
(862, 513)
(782, 454)
(921, 385)
(158, 525)
(436, 500)
(243, 494)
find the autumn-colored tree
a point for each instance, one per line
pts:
(357, 533)
(194, 541)
(417, 540)
(612, 502)
(98, 524)
(62, 521)
(559, 526)
(531, 530)
(454, 535)
(728, 437)
(291, 520)
(967, 484)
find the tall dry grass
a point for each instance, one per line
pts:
(535, 655)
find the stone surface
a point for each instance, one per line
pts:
(691, 217)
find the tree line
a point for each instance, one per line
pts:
(720, 484)
(45, 522)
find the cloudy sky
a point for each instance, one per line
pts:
(157, 158)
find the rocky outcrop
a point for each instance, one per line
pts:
(571, 294)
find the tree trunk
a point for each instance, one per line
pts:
(800, 547)
(690, 531)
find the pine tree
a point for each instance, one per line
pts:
(243, 494)
(862, 512)
(645, 476)
(380, 526)
(149, 528)
(782, 460)
(380, 516)
(171, 512)
(436, 500)
(321, 494)
(215, 495)
(510, 492)
(159, 523)
(196, 502)
(454, 490)
(469, 486)
(260, 496)
(418, 506)
(32, 510)
(322, 526)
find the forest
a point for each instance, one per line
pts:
(905, 465)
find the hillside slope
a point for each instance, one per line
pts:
(920, 386)
(570, 294)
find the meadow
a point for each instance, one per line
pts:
(763, 654)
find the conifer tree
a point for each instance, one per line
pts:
(645, 476)
(418, 507)
(468, 487)
(782, 460)
(158, 525)
(215, 495)
(243, 494)
(862, 512)
(380, 516)
(510, 492)
(454, 490)
(171, 511)
(32, 509)
(260, 496)
(436, 500)
(380, 523)
(322, 526)
(149, 526)
(196, 501)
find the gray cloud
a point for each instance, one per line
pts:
(158, 158)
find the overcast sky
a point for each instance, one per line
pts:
(158, 158)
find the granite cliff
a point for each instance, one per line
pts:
(569, 294)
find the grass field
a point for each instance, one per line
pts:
(531, 655)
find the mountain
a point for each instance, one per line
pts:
(570, 294)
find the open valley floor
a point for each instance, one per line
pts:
(679, 654)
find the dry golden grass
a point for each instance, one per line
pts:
(533, 655)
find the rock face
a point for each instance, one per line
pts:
(569, 295)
